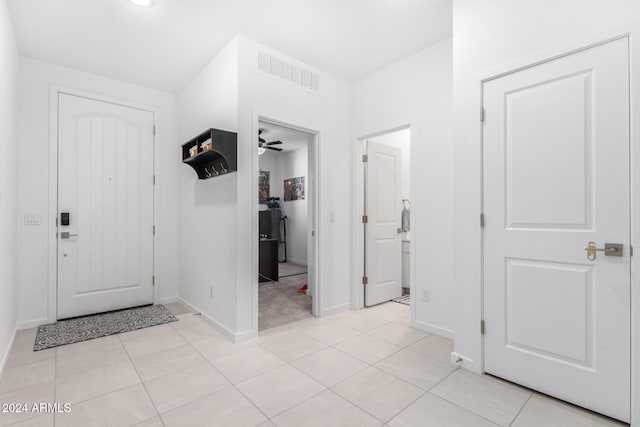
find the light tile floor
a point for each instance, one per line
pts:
(357, 368)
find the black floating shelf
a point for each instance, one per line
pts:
(215, 153)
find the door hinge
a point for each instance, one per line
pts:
(482, 114)
(154, 180)
(154, 230)
(154, 130)
(365, 280)
(482, 327)
(153, 280)
(365, 158)
(365, 219)
(630, 250)
(482, 220)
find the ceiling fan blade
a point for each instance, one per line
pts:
(273, 143)
(261, 140)
(273, 148)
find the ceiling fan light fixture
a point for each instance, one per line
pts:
(143, 3)
(261, 151)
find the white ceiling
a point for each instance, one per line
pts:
(292, 139)
(165, 46)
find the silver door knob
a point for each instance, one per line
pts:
(66, 235)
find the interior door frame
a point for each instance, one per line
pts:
(54, 92)
(316, 302)
(358, 228)
(477, 136)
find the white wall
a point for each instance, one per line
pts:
(35, 81)
(496, 35)
(8, 170)
(218, 228)
(417, 91)
(293, 164)
(208, 208)
(327, 111)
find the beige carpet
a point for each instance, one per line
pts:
(286, 269)
(281, 303)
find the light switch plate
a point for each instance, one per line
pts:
(31, 219)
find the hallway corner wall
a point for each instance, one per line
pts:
(207, 208)
(8, 173)
(35, 286)
(418, 91)
(327, 111)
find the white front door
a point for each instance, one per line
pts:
(383, 208)
(556, 177)
(105, 185)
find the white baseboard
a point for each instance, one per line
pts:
(5, 356)
(336, 309)
(433, 329)
(245, 336)
(28, 324)
(235, 337)
(167, 300)
(462, 361)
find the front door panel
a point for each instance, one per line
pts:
(105, 184)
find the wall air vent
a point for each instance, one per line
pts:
(284, 70)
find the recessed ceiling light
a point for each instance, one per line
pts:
(143, 3)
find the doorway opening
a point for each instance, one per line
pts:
(286, 214)
(386, 221)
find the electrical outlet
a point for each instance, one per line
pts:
(426, 295)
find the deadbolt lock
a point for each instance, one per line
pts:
(610, 249)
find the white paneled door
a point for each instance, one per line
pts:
(105, 195)
(556, 181)
(383, 239)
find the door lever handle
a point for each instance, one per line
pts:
(610, 249)
(66, 235)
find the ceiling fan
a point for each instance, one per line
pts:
(264, 145)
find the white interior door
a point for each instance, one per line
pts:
(556, 177)
(105, 184)
(383, 208)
